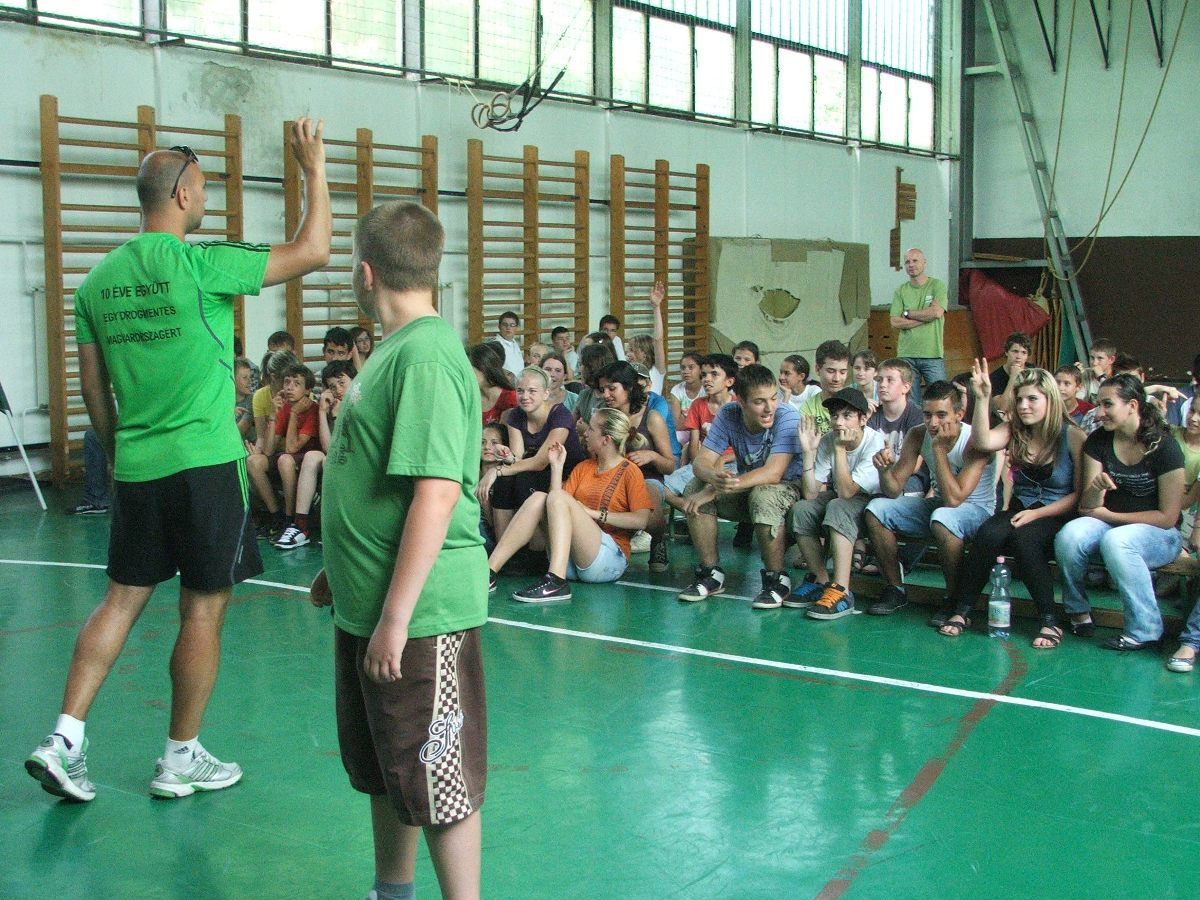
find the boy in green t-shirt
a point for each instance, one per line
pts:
(833, 368)
(405, 565)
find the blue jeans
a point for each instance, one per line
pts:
(1129, 553)
(1191, 631)
(931, 368)
(95, 470)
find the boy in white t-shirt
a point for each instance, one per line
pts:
(839, 479)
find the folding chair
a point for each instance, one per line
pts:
(7, 410)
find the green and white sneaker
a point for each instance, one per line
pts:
(61, 772)
(204, 773)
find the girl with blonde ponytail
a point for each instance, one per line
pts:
(586, 524)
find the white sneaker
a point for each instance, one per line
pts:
(204, 773)
(291, 538)
(640, 543)
(61, 772)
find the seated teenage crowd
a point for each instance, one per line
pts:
(585, 453)
(1077, 467)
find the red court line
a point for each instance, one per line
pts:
(922, 782)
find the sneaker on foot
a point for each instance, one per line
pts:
(271, 530)
(550, 588)
(291, 538)
(640, 542)
(60, 771)
(889, 601)
(87, 509)
(835, 602)
(658, 555)
(204, 773)
(708, 581)
(805, 594)
(775, 587)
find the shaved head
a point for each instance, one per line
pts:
(914, 265)
(156, 177)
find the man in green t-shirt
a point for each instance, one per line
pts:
(154, 324)
(918, 311)
(405, 565)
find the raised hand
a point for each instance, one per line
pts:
(809, 434)
(307, 144)
(981, 380)
(658, 293)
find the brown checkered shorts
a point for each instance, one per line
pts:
(421, 740)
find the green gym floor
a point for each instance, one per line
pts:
(639, 747)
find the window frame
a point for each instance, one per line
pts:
(603, 61)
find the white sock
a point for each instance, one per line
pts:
(71, 730)
(178, 755)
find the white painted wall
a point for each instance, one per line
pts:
(1162, 196)
(761, 184)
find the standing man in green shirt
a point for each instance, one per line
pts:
(405, 568)
(918, 311)
(155, 306)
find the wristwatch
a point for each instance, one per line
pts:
(906, 315)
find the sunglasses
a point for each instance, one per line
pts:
(191, 158)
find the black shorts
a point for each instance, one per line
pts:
(195, 522)
(422, 740)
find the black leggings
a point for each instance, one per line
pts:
(511, 491)
(1031, 545)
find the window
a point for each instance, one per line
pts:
(119, 12)
(449, 37)
(691, 56)
(677, 55)
(898, 51)
(670, 64)
(370, 31)
(296, 25)
(629, 55)
(220, 19)
(567, 42)
(502, 43)
(798, 64)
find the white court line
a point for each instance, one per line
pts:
(670, 590)
(755, 661)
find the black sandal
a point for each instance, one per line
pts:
(950, 623)
(1083, 629)
(1054, 637)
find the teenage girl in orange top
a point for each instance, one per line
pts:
(586, 523)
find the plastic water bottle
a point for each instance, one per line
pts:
(999, 605)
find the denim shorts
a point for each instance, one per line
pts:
(678, 480)
(914, 516)
(609, 564)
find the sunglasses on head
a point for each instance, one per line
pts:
(191, 158)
